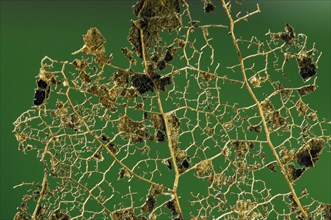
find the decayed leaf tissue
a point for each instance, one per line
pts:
(167, 137)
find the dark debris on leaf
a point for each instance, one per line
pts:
(168, 57)
(168, 163)
(161, 64)
(160, 136)
(307, 68)
(209, 6)
(42, 84)
(294, 173)
(85, 77)
(297, 173)
(186, 163)
(309, 153)
(142, 83)
(308, 71)
(162, 83)
(307, 90)
(39, 97)
(289, 35)
(149, 204)
(121, 77)
(59, 215)
(172, 207)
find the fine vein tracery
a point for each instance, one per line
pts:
(184, 132)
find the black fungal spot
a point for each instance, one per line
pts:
(161, 64)
(142, 83)
(42, 84)
(39, 97)
(209, 7)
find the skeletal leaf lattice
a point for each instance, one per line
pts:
(129, 143)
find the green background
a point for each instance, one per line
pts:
(32, 29)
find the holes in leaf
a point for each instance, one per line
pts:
(326, 210)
